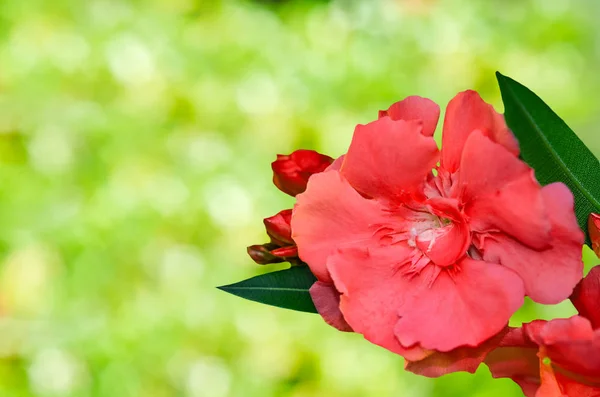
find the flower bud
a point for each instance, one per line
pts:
(291, 251)
(291, 172)
(279, 229)
(281, 248)
(261, 254)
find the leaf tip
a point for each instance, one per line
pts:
(501, 78)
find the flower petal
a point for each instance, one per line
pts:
(327, 301)
(586, 297)
(372, 289)
(337, 164)
(549, 276)
(388, 159)
(415, 108)
(279, 229)
(570, 387)
(330, 215)
(500, 193)
(573, 346)
(445, 245)
(465, 113)
(465, 359)
(575, 328)
(462, 307)
(380, 300)
(516, 358)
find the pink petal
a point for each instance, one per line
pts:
(501, 193)
(465, 359)
(388, 159)
(415, 108)
(381, 300)
(461, 307)
(572, 345)
(466, 113)
(500, 133)
(561, 330)
(446, 244)
(329, 215)
(549, 276)
(327, 301)
(337, 164)
(586, 297)
(516, 358)
(370, 285)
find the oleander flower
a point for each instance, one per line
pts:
(291, 172)
(557, 358)
(433, 251)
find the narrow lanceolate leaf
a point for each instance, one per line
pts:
(551, 148)
(285, 288)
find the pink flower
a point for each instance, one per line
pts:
(291, 172)
(436, 260)
(557, 358)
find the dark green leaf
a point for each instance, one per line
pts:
(551, 148)
(285, 288)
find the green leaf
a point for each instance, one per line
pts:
(551, 148)
(284, 288)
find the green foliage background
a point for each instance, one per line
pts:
(135, 143)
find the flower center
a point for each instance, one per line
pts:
(436, 228)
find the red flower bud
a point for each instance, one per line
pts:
(261, 254)
(286, 252)
(279, 229)
(281, 248)
(594, 231)
(291, 173)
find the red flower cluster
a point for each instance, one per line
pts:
(290, 175)
(429, 252)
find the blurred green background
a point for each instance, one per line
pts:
(135, 147)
